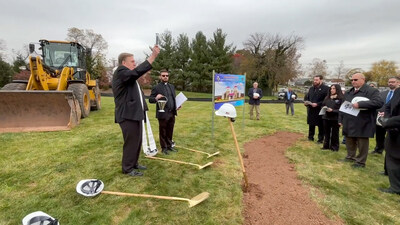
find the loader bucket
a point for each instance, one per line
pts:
(22, 111)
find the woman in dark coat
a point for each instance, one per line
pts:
(332, 103)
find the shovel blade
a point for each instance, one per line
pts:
(204, 166)
(198, 199)
(211, 155)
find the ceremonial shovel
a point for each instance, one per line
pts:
(181, 162)
(246, 183)
(209, 155)
(93, 187)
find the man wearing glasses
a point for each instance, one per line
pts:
(358, 129)
(166, 118)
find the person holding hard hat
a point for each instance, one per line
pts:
(255, 94)
(358, 129)
(289, 98)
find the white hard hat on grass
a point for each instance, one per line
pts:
(227, 110)
(39, 218)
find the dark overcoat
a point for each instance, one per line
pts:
(161, 88)
(392, 141)
(253, 101)
(364, 124)
(315, 95)
(127, 100)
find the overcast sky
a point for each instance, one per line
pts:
(358, 32)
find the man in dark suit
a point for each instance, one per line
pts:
(130, 107)
(392, 142)
(166, 119)
(313, 101)
(358, 129)
(255, 94)
(289, 98)
(386, 95)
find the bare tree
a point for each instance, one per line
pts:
(273, 59)
(318, 67)
(341, 70)
(89, 39)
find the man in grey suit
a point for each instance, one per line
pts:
(130, 107)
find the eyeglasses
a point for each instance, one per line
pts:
(164, 75)
(353, 80)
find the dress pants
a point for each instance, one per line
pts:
(380, 138)
(257, 107)
(311, 132)
(393, 169)
(363, 145)
(132, 134)
(331, 132)
(289, 104)
(166, 131)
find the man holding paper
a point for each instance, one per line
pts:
(359, 127)
(164, 95)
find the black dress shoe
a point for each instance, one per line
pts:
(358, 165)
(346, 160)
(134, 173)
(172, 149)
(376, 152)
(388, 190)
(140, 167)
(165, 151)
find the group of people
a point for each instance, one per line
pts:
(358, 129)
(131, 107)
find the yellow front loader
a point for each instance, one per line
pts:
(57, 95)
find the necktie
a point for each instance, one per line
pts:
(389, 96)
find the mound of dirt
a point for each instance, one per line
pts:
(275, 194)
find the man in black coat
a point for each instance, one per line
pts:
(386, 95)
(130, 107)
(255, 94)
(166, 119)
(313, 101)
(289, 98)
(358, 129)
(392, 142)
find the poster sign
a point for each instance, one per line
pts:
(229, 88)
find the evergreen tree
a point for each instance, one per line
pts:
(221, 54)
(165, 59)
(200, 66)
(6, 73)
(181, 73)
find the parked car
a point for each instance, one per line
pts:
(281, 93)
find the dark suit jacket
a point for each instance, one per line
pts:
(285, 97)
(316, 95)
(362, 125)
(253, 101)
(383, 95)
(392, 110)
(127, 100)
(161, 88)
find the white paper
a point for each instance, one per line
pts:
(180, 99)
(323, 111)
(347, 107)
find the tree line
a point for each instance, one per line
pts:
(269, 59)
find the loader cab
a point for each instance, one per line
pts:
(60, 54)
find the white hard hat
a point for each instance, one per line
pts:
(293, 96)
(256, 95)
(380, 119)
(227, 110)
(359, 99)
(90, 187)
(39, 218)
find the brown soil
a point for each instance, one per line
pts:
(275, 194)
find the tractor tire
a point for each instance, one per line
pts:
(97, 101)
(81, 93)
(14, 86)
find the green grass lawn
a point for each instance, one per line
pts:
(39, 171)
